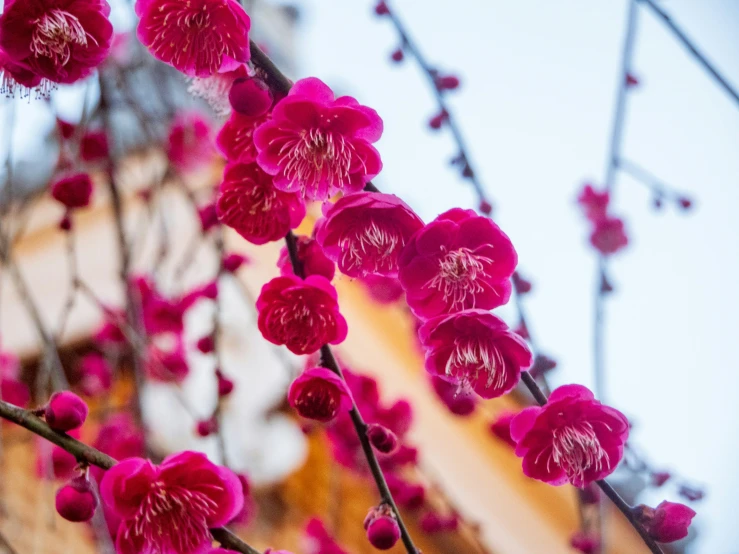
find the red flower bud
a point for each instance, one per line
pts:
(225, 385)
(447, 82)
(66, 411)
(75, 501)
(585, 543)
(438, 120)
(631, 80)
(685, 203)
(206, 344)
(65, 223)
(382, 528)
(73, 191)
(232, 262)
(485, 207)
(382, 438)
(381, 8)
(397, 55)
(521, 285)
(208, 217)
(659, 478)
(94, 146)
(668, 522)
(250, 96)
(207, 427)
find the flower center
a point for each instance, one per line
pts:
(315, 157)
(576, 449)
(470, 357)
(318, 401)
(173, 519)
(54, 34)
(458, 276)
(382, 242)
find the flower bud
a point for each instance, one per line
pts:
(447, 82)
(225, 385)
(66, 411)
(250, 96)
(585, 543)
(668, 522)
(205, 344)
(397, 55)
(685, 203)
(232, 262)
(438, 120)
(381, 8)
(75, 501)
(382, 438)
(73, 191)
(65, 223)
(382, 528)
(485, 207)
(207, 427)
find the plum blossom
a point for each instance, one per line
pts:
(58, 40)
(197, 37)
(572, 438)
(319, 394)
(170, 507)
(248, 203)
(477, 349)
(189, 144)
(301, 314)
(668, 522)
(235, 140)
(311, 256)
(317, 145)
(458, 261)
(365, 233)
(609, 236)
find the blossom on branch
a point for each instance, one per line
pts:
(572, 438)
(170, 507)
(319, 394)
(312, 258)
(317, 145)
(458, 261)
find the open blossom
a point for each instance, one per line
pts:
(197, 37)
(573, 437)
(458, 261)
(365, 232)
(301, 314)
(594, 203)
(189, 145)
(73, 191)
(248, 203)
(668, 522)
(59, 40)
(171, 507)
(317, 145)
(235, 140)
(312, 258)
(609, 236)
(477, 349)
(319, 394)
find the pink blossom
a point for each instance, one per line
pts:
(65, 411)
(167, 365)
(317, 145)
(668, 522)
(250, 96)
(171, 507)
(96, 375)
(572, 438)
(189, 143)
(94, 146)
(446, 82)
(225, 385)
(120, 438)
(458, 261)
(312, 258)
(382, 289)
(382, 527)
(609, 236)
(233, 261)
(365, 232)
(58, 40)
(475, 348)
(594, 203)
(318, 540)
(76, 500)
(501, 427)
(198, 37)
(14, 391)
(459, 398)
(249, 204)
(319, 394)
(301, 314)
(235, 140)
(382, 438)
(72, 191)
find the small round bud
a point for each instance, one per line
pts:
(207, 427)
(447, 82)
(381, 8)
(438, 120)
(225, 385)
(206, 344)
(397, 55)
(685, 203)
(65, 223)
(382, 528)
(382, 438)
(250, 96)
(232, 262)
(485, 207)
(66, 411)
(75, 501)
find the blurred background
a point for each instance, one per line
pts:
(536, 105)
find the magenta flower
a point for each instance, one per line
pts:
(477, 349)
(167, 365)
(249, 204)
(250, 96)
(317, 145)
(198, 37)
(460, 399)
(94, 146)
(73, 191)
(594, 203)
(189, 144)
(76, 500)
(365, 232)
(235, 140)
(501, 427)
(382, 527)
(668, 522)
(312, 258)
(15, 77)
(59, 40)
(572, 438)
(585, 543)
(120, 438)
(609, 236)
(96, 375)
(318, 540)
(458, 261)
(171, 507)
(385, 290)
(319, 394)
(301, 314)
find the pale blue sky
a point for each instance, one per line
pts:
(539, 79)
